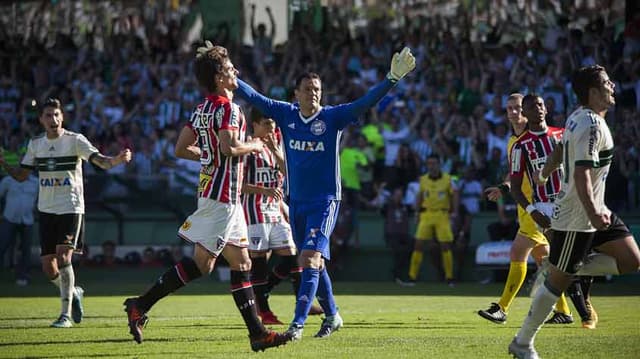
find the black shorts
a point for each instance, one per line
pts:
(569, 249)
(617, 230)
(61, 229)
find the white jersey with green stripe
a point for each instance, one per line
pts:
(59, 165)
(587, 142)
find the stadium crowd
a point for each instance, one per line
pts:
(126, 81)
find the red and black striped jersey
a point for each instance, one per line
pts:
(220, 176)
(530, 153)
(262, 170)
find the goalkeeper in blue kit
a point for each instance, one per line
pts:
(311, 137)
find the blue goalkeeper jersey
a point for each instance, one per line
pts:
(311, 144)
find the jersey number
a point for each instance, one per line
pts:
(206, 156)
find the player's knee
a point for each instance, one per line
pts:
(310, 259)
(205, 264)
(629, 265)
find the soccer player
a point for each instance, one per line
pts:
(436, 201)
(529, 153)
(311, 134)
(529, 240)
(57, 156)
(218, 225)
(265, 212)
(580, 209)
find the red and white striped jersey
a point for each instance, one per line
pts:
(262, 170)
(530, 153)
(220, 176)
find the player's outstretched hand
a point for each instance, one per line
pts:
(124, 155)
(493, 193)
(401, 64)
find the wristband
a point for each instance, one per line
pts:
(531, 208)
(504, 188)
(542, 178)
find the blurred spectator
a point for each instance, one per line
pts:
(351, 161)
(108, 256)
(20, 201)
(396, 233)
(470, 190)
(150, 259)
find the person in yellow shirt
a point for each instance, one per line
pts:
(436, 201)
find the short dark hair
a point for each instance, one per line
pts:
(50, 103)
(434, 156)
(306, 75)
(208, 65)
(530, 98)
(585, 78)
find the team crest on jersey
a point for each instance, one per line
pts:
(255, 240)
(186, 225)
(318, 127)
(220, 244)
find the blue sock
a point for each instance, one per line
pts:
(325, 294)
(308, 289)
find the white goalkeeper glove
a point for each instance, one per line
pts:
(401, 64)
(204, 49)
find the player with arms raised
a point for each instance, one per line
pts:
(311, 135)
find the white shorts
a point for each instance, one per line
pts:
(214, 224)
(266, 236)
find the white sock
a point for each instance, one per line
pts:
(541, 307)
(67, 284)
(598, 264)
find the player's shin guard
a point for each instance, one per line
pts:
(67, 283)
(515, 278)
(325, 294)
(175, 278)
(575, 293)
(244, 297)
(308, 289)
(414, 265)
(259, 273)
(541, 306)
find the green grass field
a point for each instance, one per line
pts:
(382, 320)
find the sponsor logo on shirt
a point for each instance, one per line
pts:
(55, 182)
(307, 146)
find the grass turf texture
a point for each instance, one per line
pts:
(382, 320)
